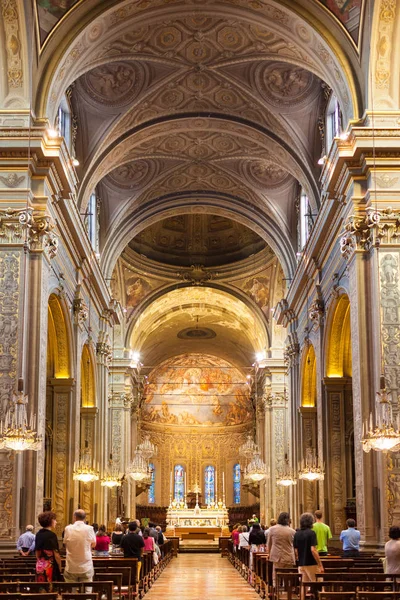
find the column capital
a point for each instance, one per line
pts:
(27, 226)
(372, 227)
(273, 399)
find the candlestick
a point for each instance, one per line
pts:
(223, 484)
(216, 484)
(170, 483)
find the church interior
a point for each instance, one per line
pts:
(200, 265)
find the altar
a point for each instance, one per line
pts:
(197, 523)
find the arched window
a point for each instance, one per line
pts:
(152, 488)
(92, 221)
(209, 484)
(306, 220)
(64, 122)
(333, 122)
(236, 484)
(179, 482)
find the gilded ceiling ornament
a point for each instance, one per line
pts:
(197, 275)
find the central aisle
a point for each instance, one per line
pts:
(201, 577)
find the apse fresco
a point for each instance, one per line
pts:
(49, 12)
(348, 12)
(197, 390)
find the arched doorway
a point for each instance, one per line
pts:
(308, 411)
(58, 398)
(339, 419)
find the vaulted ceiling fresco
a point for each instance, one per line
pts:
(349, 12)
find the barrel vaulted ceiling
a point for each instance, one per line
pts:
(201, 112)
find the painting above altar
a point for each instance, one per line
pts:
(197, 390)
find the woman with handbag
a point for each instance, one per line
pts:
(48, 560)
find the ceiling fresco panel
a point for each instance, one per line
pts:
(349, 14)
(49, 12)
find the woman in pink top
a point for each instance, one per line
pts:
(149, 544)
(235, 537)
(102, 542)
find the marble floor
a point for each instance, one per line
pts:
(201, 577)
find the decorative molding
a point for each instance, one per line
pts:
(12, 180)
(372, 228)
(9, 9)
(25, 226)
(196, 275)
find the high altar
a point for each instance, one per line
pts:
(197, 522)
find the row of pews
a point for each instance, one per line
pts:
(359, 578)
(114, 578)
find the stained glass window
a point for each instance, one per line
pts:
(236, 484)
(152, 488)
(209, 484)
(179, 488)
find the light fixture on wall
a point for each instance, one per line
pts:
(310, 470)
(112, 477)
(85, 471)
(384, 435)
(17, 431)
(256, 470)
(147, 448)
(138, 469)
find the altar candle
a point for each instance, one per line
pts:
(184, 478)
(223, 483)
(170, 483)
(216, 485)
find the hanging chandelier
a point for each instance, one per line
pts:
(286, 478)
(147, 449)
(256, 470)
(138, 468)
(17, 432)
(112, 477)
(248, 449)
(85, 471)
(384, 436)
(310, 471)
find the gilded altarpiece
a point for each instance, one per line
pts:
(195, 450)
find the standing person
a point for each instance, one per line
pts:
(235, 536)
(305, 547)
(244, 537)
(48, 560)
(351, 539)
(392, 552)
(153, 532)
(271, 524)
(257, 538)
(323, 533)
(26, 542)
(132, 544)
(161, 536)
(102, 547)
(280, 544)
(139, 530)
(79, 539)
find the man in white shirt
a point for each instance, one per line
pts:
(79, 539)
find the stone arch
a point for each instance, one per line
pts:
(88, 378)
(160, 292)
(79, 51)
(59, 347)
(309, 378)
(216, 203)
(338, 341)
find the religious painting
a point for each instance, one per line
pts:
(258, 287)
(49, 12)
(179, 482)
(209, 484)
(137, 289)
(197, 390)
(348, 12)
(236, 484)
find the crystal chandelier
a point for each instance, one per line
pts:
(85, 471)
(256, 470)
(248, 449)
(112, 477)
(147, 449)
(138, 468)
(286, 478)
(17, 432)
(310, 471)
(384, 436)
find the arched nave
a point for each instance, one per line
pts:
(199, 250)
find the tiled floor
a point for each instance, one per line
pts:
(200, 577)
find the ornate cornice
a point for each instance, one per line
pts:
(273, 399)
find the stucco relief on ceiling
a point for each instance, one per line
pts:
(197, 390)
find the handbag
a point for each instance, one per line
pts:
(155, 558)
